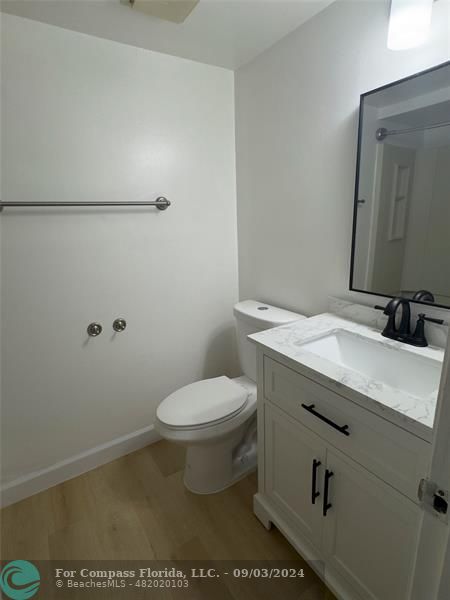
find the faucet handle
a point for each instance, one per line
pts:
(386, 309)
(423, 317)
(418, 338)
(390, 307)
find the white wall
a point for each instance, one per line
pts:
(296, 132)
(89, 119)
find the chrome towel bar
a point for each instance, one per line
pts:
(161, 203)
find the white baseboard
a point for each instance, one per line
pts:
(43, 479)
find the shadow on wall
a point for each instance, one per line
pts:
(221, 356)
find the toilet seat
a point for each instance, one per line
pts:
(203, 404)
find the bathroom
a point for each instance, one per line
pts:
(243, 122)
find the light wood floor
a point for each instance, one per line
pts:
(136, 507)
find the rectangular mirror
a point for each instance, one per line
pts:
(401, 228)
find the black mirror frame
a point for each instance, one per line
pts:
(358, 161)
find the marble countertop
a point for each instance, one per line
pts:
(408, 411)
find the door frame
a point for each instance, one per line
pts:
(375, 207)
(432, 568)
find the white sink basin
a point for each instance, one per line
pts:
(401, 369)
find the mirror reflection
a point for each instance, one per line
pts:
(401, 243)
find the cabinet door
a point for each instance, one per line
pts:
(292, 455)
(370, 532)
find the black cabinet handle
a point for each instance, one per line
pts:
(326, 505)
(341, 428)
(314, 494)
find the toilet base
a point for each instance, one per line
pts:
(237, 478)
(213, 468)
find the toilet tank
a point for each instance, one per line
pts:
(252, 316)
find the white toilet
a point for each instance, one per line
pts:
(216, 418)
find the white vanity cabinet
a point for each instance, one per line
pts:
(370, 532)
(340, 482)
(291, 451)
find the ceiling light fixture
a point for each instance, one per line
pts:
(176, 11)
(409, 23)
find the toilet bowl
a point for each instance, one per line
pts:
(220, 450)
(216, 418)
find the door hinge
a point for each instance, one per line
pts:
(433, 498)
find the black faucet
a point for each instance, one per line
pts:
(423, 296)
(402, 333)
(418, 338)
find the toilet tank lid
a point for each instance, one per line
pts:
(264, 315)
